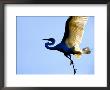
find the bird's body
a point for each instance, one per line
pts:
(74, 31)
(71, 41)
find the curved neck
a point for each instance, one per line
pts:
(52, 42)
(47, 45)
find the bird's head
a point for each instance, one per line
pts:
(86, 50)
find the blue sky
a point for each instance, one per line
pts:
(34, 58)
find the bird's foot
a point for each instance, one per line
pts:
(75, 71)
(71, 62)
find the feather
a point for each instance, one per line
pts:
(75, 29)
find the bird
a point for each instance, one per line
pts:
(70, 43)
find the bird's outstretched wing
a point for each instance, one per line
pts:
(74, 30)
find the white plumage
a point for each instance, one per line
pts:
(76, 31)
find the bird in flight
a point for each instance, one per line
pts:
(70, 44)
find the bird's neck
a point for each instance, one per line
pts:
(47, 45)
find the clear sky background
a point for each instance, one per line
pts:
(34, 58)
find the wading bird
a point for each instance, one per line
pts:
(70, 44)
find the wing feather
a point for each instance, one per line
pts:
(74, 30)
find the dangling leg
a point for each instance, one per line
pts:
(75, 71)
(71, 62)
(69, 56)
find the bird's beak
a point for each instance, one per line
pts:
(45, 39)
